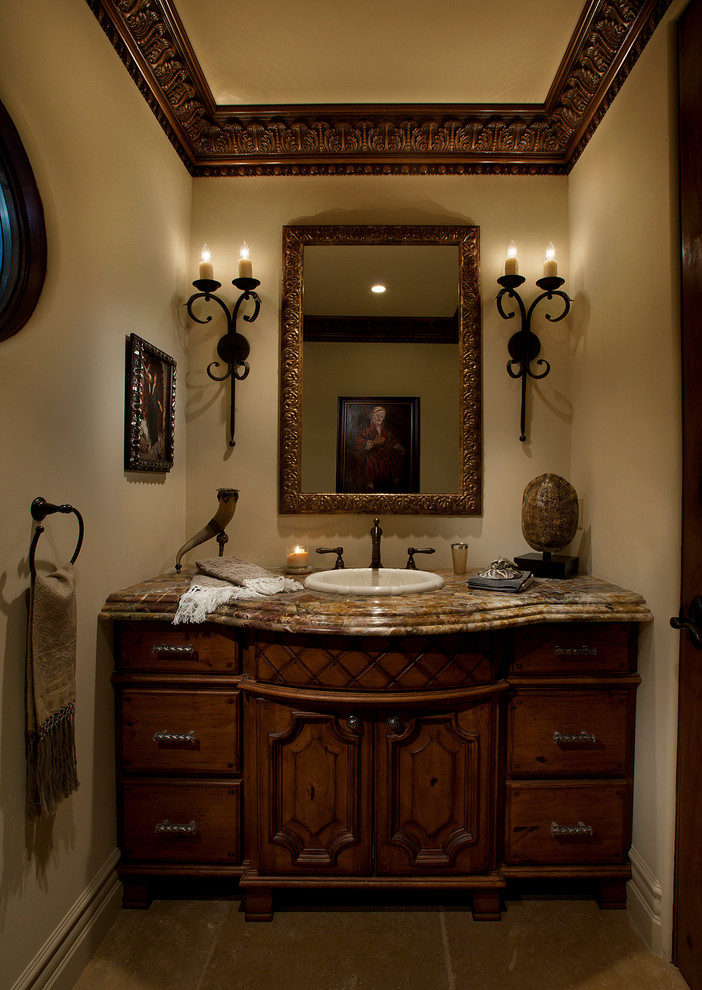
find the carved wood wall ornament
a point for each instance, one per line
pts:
(379, 139)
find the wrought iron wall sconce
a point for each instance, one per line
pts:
(232, 348)
(524, 346)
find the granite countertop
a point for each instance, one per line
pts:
(454, 608)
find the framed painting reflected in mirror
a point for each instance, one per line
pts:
(377, 446)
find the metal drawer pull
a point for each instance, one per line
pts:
(580, 737)
(164, 736)
(165, 649)
(580, 829)
(394, 723)
(165, 827)
(575, 651)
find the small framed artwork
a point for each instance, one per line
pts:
(377, 446)
(150, 407)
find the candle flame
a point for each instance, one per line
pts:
(205, 256)
(550, 252)
(244, 250)
(512, 250)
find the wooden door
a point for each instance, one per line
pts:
(435, 792)
(688, 872)
(314, 792)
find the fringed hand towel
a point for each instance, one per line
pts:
(51, 691)
(224, 579)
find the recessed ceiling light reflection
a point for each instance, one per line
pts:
(378, 288)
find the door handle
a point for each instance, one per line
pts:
(693, 623)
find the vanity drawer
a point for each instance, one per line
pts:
(179, 649)
(571, 733)
(575, 648)
(172, 821)
(567, 822)
(180, 731)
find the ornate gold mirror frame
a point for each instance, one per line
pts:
(467, 500)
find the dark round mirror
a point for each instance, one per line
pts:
(22, 232)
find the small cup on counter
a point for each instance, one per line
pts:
(459, 552)
(297, 558)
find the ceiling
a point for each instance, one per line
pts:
(365, 53)
(379, 87)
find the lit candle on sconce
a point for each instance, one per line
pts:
(297, 557)
(511, 261)
(550, 264)
(245, 263)
(206, 266)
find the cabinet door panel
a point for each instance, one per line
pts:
(314, 792)
(435, 793)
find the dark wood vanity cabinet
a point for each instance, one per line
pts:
(287, 760)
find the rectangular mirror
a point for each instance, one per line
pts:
(380, 390)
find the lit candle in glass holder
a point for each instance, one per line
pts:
(297, 557)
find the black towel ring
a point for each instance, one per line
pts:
(40, 509)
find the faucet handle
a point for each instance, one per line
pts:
(410, 565)
(338, 551)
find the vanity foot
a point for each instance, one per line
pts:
(486, 905)
(259, 904)
(135, 895)
(612, 895)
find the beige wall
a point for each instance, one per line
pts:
(117, 205)
(626, 426)
(533, 211)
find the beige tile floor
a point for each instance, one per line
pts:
(540, 944)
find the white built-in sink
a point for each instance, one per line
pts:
(372, 581)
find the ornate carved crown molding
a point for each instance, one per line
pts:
(377, 139)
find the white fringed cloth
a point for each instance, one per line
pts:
(51, 692)
(225, 579)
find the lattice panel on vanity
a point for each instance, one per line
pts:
(374, 663)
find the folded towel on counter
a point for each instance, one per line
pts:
(51, 691)
(225, 579)
(518, 583)
(501, 575)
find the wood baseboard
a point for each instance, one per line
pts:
(645, 903)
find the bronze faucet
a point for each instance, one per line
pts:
(376, 532)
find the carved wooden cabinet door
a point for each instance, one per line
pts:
(314, 802)
(435, 786)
